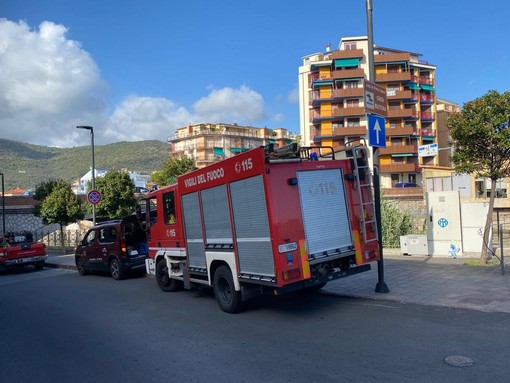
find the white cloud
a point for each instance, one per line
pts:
(49, 85)
(243, 106)
(145, 118)
(46, 83)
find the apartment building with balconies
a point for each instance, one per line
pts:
(332, 110)
(208, 143)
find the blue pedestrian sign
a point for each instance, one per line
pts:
(442, 222)
(376, 131)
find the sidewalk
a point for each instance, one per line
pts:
(412, 279)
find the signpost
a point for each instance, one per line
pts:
(375, 99)
(376, 131)
(428, 150)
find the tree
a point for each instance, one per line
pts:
(482, 144)
(117, 195)
(60, 206)
(172, 168)
(42, 191)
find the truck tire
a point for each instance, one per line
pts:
(116, 269)
(166, 283)
(81, 267)
(39, 265)
(228, 298)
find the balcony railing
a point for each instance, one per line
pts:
(401, 95)
(394, 76)
(392, 57)
(428, 132)
(348, 73)
(347, 54)
(401, 131)
(320, 77)
(348, 92)
(350, 131)
(348, 111)
(337, 93)
(398, 168)
(407, 112)
(427, 115)
(426, 98)
(399, 149)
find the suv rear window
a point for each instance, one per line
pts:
(107, 234)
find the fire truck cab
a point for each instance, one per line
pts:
(285, 220)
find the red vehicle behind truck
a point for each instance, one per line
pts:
(283, 220)
(17, 250)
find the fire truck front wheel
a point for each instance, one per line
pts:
(166, 283)
(228, 298)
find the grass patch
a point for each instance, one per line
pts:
(476, 262)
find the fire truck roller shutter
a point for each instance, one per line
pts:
(218, 231)
(252, 226)
(193, 227)
(325, 215)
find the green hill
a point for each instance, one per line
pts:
(25, 165)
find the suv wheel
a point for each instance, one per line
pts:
(39, 265)
(81, 266)
(116, 269)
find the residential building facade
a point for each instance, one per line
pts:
(208, 143)
(332, 110)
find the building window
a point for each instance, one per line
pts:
(338, 125)
(396, 142)
(352, 103)
(393, 69)
(350, 84)
(349, 46)
(352, 122)
(394, 105)
(169, 207)
(393, 124)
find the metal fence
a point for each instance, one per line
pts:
(54, 238)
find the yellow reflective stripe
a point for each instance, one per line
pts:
(357, 246)
(305, 266)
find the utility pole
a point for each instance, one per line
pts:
(91, 129)
(3, 206)
(381, 286)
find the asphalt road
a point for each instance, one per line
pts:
(57, 326)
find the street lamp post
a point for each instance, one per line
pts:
(93, 167)
(3, 206)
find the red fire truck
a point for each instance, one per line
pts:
(285, 220)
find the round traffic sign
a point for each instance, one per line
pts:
(94, 197)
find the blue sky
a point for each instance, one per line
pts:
(138, 70)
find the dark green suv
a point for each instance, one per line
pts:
(114, 246)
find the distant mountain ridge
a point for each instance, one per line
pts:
(26, 165)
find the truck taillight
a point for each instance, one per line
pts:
(291, 274)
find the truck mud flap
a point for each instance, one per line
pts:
(319, 280)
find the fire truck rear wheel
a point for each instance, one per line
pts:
(228, 298)
(166, 283)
